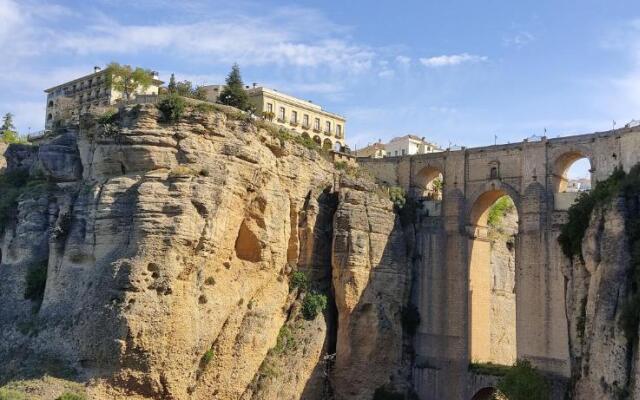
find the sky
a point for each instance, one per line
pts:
(458, 72)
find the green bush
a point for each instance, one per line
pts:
(524, 382)
(313, 304)
(108, 117)
(398, 197)
(298, 280)
(207, 357)
(499, 209)
(36, 280)
(286, 341)
(172, 107)
(11, 186)
(489, 369)
(71, 396)
(8, 394)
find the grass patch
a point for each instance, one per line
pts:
(71, 396)
(313, 304)
(286, 341)
(524, 382)
(489, 369)
(8, 394)
(207, 357)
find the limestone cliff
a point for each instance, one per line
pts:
(598, 285)
(168, 248)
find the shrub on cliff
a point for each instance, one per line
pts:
(172, 107)
(313, 304)
(11, 186)
(499, 209)
(298, 280)
(233, 93)
(524, 382)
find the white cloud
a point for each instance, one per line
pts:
(450, 60)
(403, 60)
(519, 39)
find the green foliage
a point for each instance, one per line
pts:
(313, 304)
(8, 133)
(384, 393)
(233, 93)
(410, 319)
(8, 394)
(398, 197)
(12, 184)
(36, 280)
(579, 213)
(172, 86)
(186, 89)
(71, 396)
(437, 185)
(286, 341)
(499, 209)
(210, 281)
(524, 382)
(299, 280)
(108, 117)
(127, 79)
(341, 165)
(489, 369)
(207, 357)
(268, 115)
(172, 107)
(286, 136)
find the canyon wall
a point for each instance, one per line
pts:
(168, 249)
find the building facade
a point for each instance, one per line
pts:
(408, 145)
(304, 117)
(78, 96)
(376, 150)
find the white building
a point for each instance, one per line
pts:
(408, 145)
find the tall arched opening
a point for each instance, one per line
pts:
(492, 269)
(326, 144)
(428, 183)
(572, 174)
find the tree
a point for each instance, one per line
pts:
(127, 80)
(233, 93)
(524, 382)
(8, 133)
(7, 123)
(172, 84)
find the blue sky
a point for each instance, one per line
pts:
(455, 72)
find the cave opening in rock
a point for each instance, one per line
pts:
(248, 246)
(492, 270)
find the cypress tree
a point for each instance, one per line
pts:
(233, 93)
(172, 84)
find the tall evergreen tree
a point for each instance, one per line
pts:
(7, 123)
(172, 84)
(233, 93)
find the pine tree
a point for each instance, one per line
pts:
(233, 93)
(7, 123)
(172, 84)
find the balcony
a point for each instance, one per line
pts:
(281, 120)
(306, 126)
(327, 132)
(317, 129)
(293, 123)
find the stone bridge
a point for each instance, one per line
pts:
(453, 271)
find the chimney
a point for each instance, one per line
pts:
(154, 74)
(96, 69)
(255, 84)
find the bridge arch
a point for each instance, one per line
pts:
(488, 393)
(563, 162)
(492, 276)
(428, 182)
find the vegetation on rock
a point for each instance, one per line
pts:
(172, 107)
(499, 209)
(524, 382)
(11, 186)
(313, 304)
(8, 132)
(186, 89)
(298, 280)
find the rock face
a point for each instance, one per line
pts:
(604, 362)
(168, 250)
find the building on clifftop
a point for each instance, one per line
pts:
(77, 96)
(301, 116)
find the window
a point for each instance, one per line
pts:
(281, 114)
(294, 117)
(90, 82)
(395, 153)
(316, 124)
(493, 173)
(338, 131)
(269, 107)
(305, 120)
(327, 127)
(403, 152)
